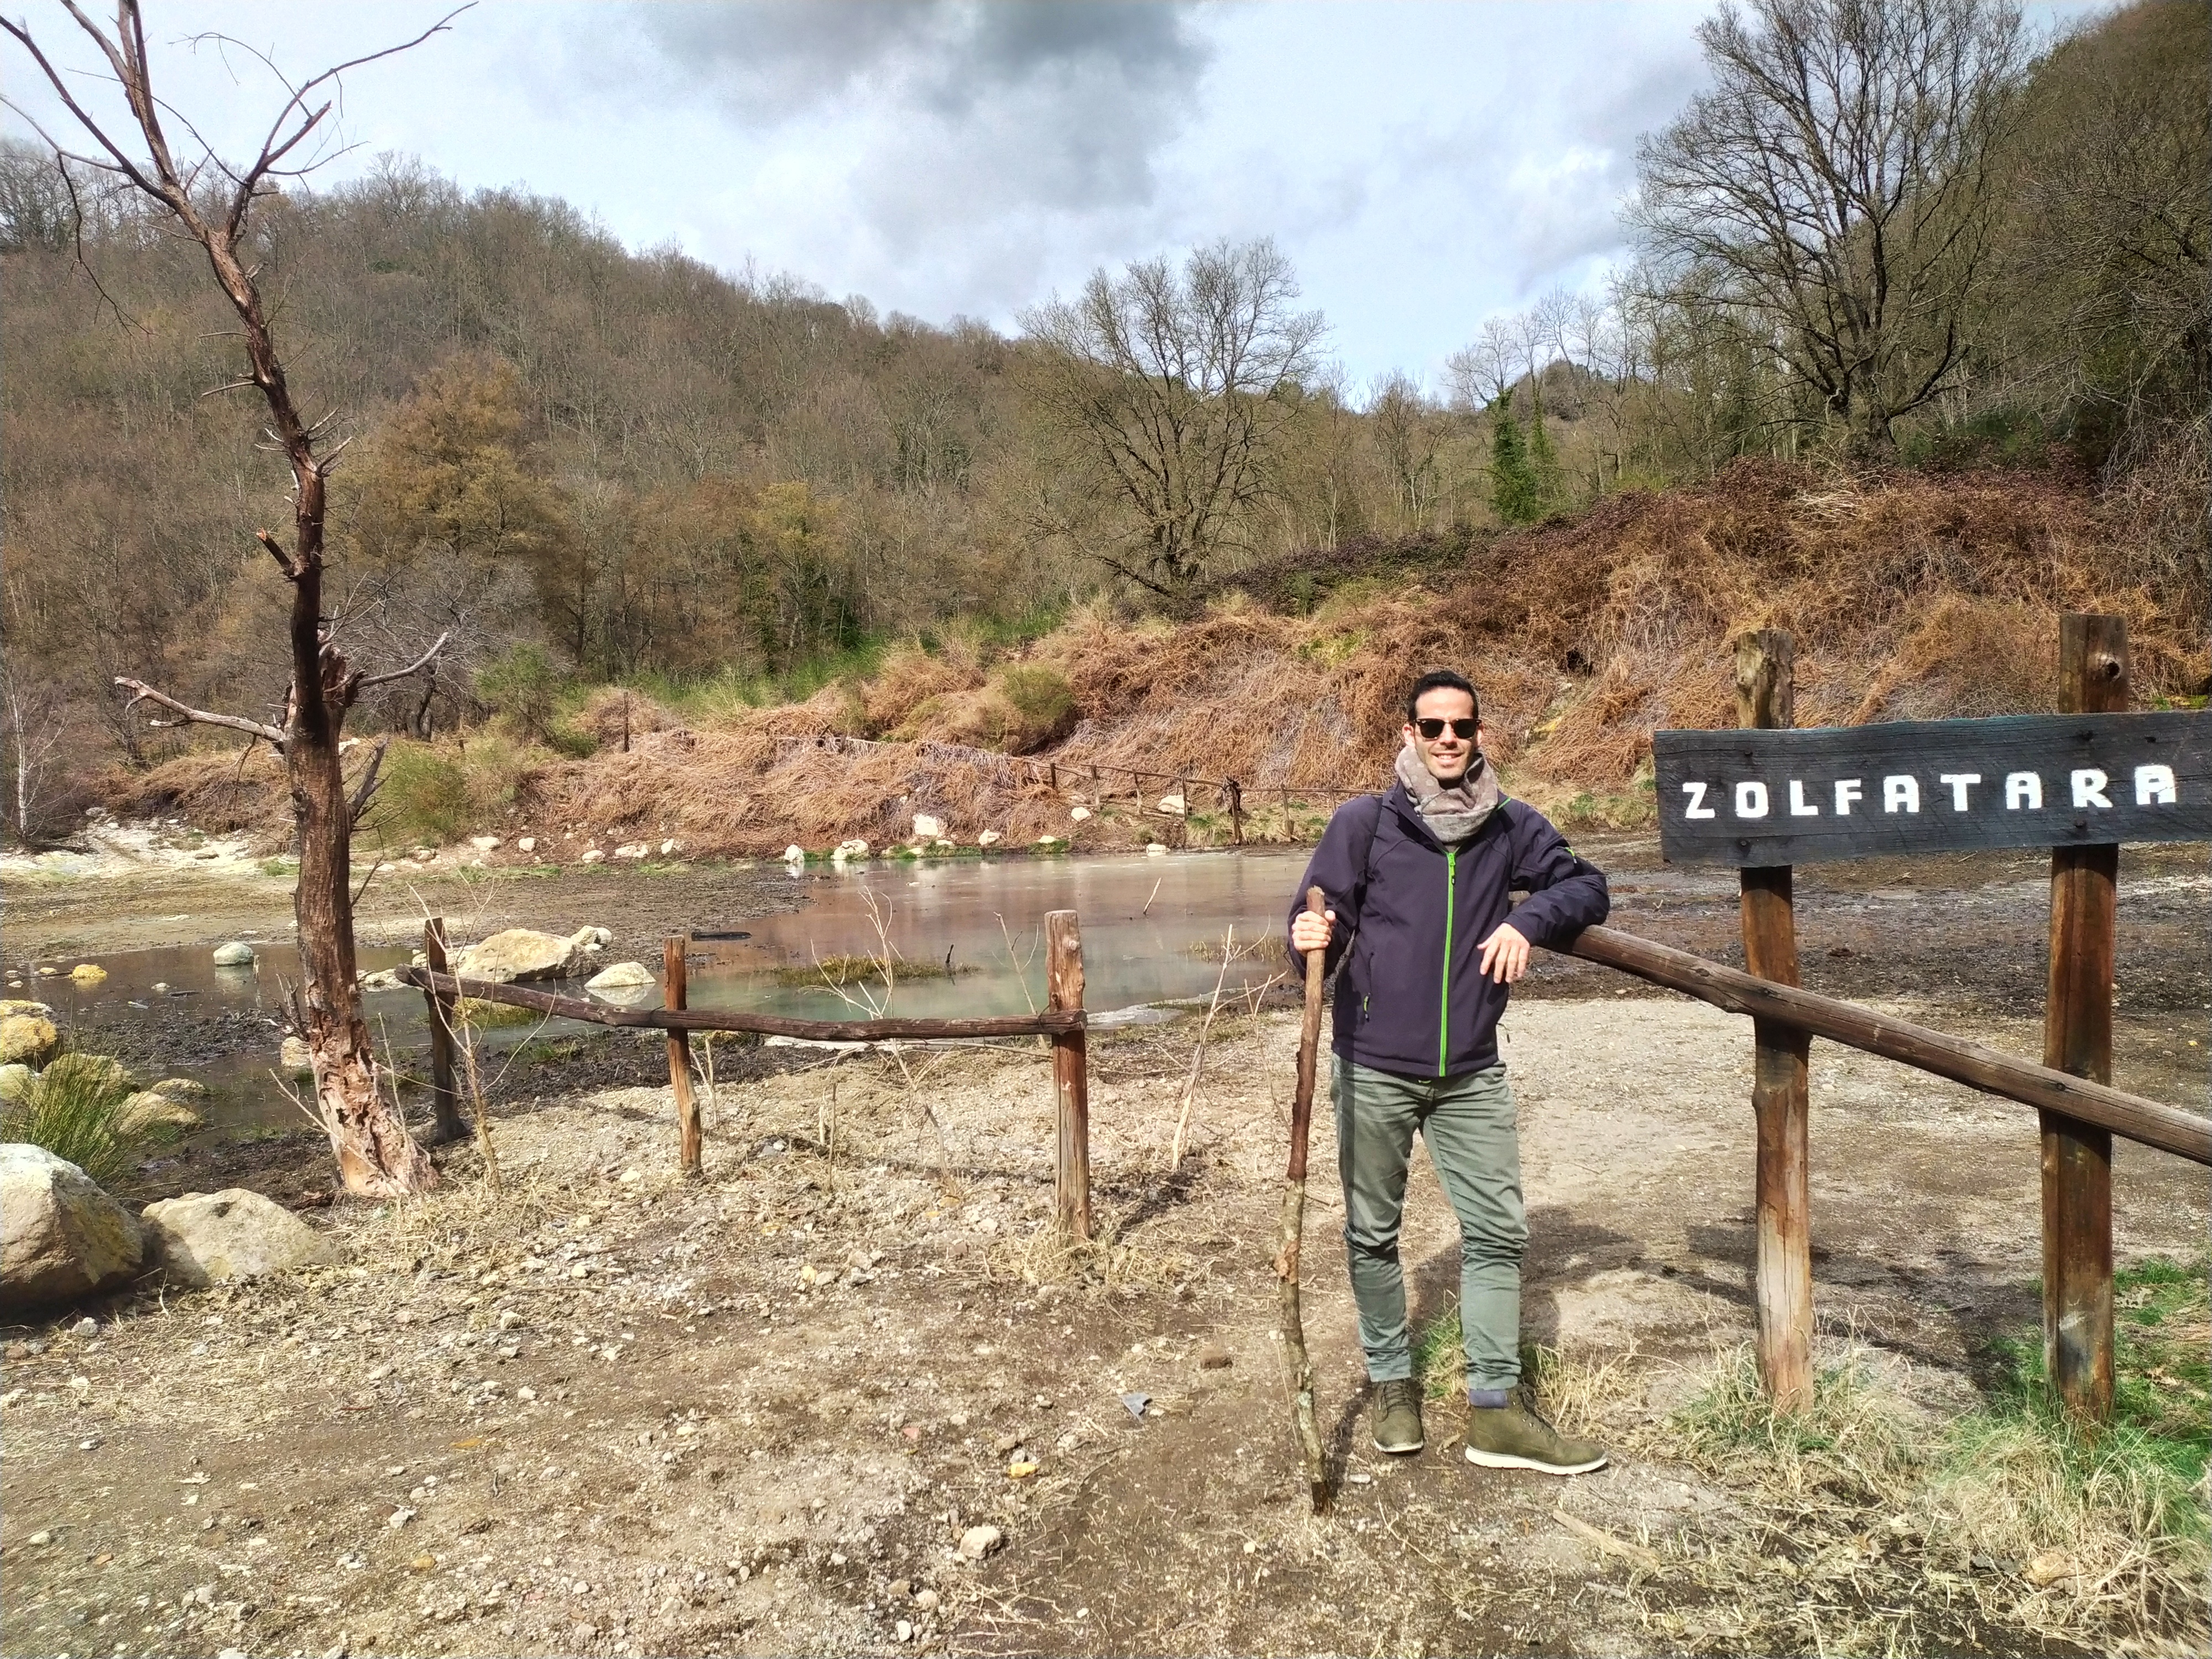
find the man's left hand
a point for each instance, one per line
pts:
(1505, 955)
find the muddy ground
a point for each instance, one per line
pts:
(603, 1411)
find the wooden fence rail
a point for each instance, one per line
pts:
(1062, 1022)
(1050, 1023)
(2169, 1128)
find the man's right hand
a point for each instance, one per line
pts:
(1310, 932)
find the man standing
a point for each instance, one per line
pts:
(1421, 876)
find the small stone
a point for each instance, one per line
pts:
(926, 1601)
(989, 838)
(632, 849)
(579, 1270)
(527, 844)
(485, 843)
(927, 828)
(1212, 1356)
(903, 1630)
(668, 847)
(233, 955)
(424, 1563)
(399, 1518)
(40, 1538)
(794, 854)
(594, 856)
(977, 1542)
(1154, 850)
(1078, 813)
(87, 1327)
(2051, 1566)
(901, 1588)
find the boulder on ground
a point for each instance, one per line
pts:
(521, 953)
(150, 1109)
(620, 976)
(28, 1040)
(927, 828)
(88, 973)
(15, 1079)
(233, 955)
(989, 838)
(211, 1238)
(61, 1236)
(11, 1006)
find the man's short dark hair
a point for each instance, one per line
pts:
(1441, 679)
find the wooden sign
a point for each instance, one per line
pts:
(1758, 797)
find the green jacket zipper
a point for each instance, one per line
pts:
(1443, 1014)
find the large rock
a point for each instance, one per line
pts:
(233, 955)
(149, 1109)
(28, 1040)
(61, 1236)
(526, 953)
(15, 1080)
(11, 1006)
(621, 976)
(210, 1239)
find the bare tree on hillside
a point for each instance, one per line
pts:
(1176, 385)
(212, 202)
(1830, 197)
(1408, 435)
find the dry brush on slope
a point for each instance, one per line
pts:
(1912, 596)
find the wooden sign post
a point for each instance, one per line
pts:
(1063, 956)
(675, 993)
(1765, 664)
(1766, 797)
(447, 1125)
(2077, 1037)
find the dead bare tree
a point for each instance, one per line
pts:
(212, 202)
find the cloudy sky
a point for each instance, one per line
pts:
(1424, 165)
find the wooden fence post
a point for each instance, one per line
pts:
(1235, 792)
(1071, 1084)
(1766, 695)
(446, 1124)
(675, 990)
(2077, 1037)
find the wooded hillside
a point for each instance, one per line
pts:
(597, 467)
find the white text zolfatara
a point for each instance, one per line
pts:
(2084, 788)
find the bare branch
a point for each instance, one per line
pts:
(142, 692)
(277, 552)
(365, 790)
(415, 667)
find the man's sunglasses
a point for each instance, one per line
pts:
(1434, 729)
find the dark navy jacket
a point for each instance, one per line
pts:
(1411, 1000)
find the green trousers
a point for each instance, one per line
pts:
(1468, 1122)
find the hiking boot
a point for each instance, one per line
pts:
(1511, 1437)
(1397, 1416)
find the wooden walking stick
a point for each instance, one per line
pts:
(1291, 1231)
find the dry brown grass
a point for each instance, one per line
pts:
(1873, 1523)
(1912, 596)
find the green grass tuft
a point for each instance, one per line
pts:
(74, 1109)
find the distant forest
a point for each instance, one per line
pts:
(594, 466)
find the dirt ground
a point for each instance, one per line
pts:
(603, 1411)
